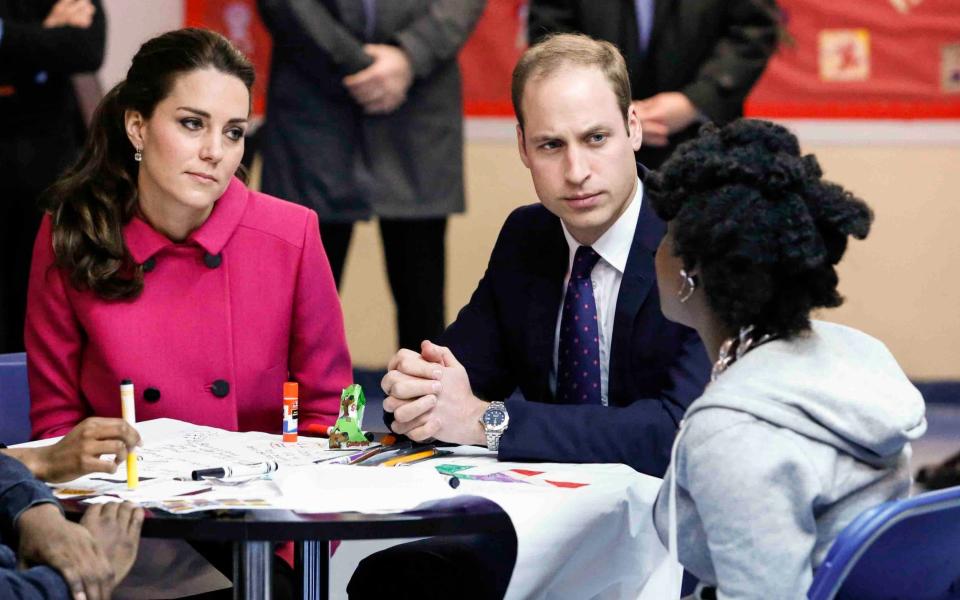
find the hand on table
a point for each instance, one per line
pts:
(47, 538)
(116, 527)
(664, 114)
(430, 396)
(78, 453)
(382, 87)
(71, 13)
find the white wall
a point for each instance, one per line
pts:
(129, 24)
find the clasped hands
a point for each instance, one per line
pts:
(663, 115)
(71, 13)
(92, 556)
(430, 397)
(382, 87)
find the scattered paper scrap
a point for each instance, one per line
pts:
(529, 476)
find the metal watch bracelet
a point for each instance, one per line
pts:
(493, 437)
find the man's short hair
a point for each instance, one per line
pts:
(571, 49)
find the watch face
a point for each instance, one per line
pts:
(494, 417)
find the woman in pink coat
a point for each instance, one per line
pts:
(157, 264)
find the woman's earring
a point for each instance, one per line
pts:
(688, 285)
(138, 155)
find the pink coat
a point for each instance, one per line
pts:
(246, 302)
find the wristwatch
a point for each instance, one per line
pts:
(495, 420)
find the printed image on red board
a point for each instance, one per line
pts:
(883, 59)
(237, 20)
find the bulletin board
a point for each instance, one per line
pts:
(882, 59)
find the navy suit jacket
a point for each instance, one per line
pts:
(19, 491)
(504, 337)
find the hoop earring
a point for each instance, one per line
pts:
(138, 155)
(688, 286)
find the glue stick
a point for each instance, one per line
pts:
(291, 393)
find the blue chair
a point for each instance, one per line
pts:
(14, 399)
(900, 550)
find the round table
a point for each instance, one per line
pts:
(253, 533)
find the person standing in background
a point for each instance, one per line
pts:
(365, 118)
(42, 44)
(689, 62)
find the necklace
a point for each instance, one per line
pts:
(734, 348)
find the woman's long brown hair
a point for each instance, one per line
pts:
(97, 196)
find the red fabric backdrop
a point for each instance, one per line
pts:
(896, 59)
(239, 21)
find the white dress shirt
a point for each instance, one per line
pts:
(614, 248)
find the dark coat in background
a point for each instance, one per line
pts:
(41, 133)
(712, 51)
(321, 150)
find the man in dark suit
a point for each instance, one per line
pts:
(623, 394)
(688, 61)
(567, 311)
(365, 118)
(42, 44)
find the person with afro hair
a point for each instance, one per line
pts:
(805, 423)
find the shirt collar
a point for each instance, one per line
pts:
(144, 241)
(614, 245)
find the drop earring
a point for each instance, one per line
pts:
(138, 155)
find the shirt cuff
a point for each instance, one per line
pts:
(23, 496)
(37, 502)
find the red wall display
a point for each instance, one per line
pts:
(239, 21)
(881, 59)
(488, 58)
(887, 59)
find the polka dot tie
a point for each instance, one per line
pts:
(578, 360)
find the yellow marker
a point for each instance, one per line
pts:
(128, 412)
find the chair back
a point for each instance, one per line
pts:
(14, 399)
(900, 550)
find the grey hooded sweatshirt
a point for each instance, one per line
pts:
(781, 452)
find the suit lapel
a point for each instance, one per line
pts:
(638, 280)
(543, 295)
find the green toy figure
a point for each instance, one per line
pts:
(346, 432)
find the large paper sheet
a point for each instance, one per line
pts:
(173, 449)
(342, 488)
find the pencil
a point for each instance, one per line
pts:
(399, 460)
